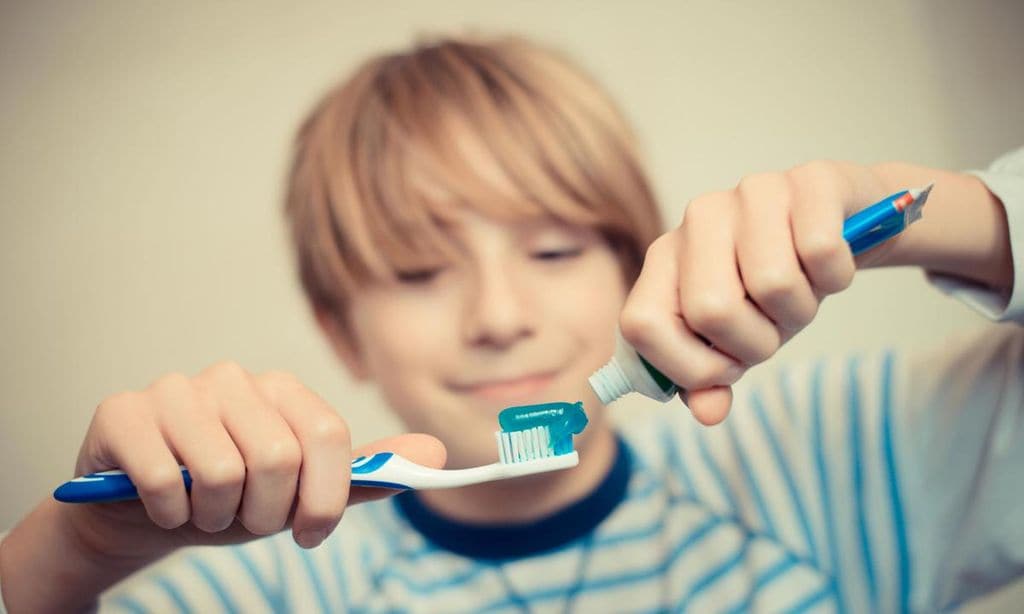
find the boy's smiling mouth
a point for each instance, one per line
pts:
(508, 389)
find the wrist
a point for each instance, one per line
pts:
(963, 232)
(48, 565)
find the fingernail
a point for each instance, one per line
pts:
(311, 538)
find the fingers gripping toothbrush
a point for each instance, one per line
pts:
(532, 439)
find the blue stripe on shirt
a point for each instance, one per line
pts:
(431, 587)
(763, 579)
(769, 527)
(813, 599)
(788, 401)
(214, 583)
(172, 591)
(898, 519)
(278, 553)
(318, 585)
(716, 573)
(787, 474)
(271, 596)
(695, 537)
(853, 413)
(126, 602)
(675, 461)
(338, 571)
(823, 483)
(716, 472)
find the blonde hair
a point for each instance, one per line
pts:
(386, 157)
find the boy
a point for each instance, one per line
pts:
(471, 223)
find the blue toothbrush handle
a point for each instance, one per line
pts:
(104, 487)
(115, 485)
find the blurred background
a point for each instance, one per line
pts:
(144, 147)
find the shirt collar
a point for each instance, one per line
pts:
(509, 541)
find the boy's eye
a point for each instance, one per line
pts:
(558, 254)
(418, 276)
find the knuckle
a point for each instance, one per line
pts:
(845, 278)
(656, 247)
(814, 170)
(280, 380)
(698, 211)
(158, 481)
(709, 312)
(116, 405)
(831, 258)
(121, 400)
(221, 475)
(763, 353)
(820, 249)
(838, 281)
(170, 382)
(279, 457)
(638, 325)
(707, 211)
(751, 186)
(225, 370)
(707, 206)
(801, 318)
(772, 284)
(329, 429)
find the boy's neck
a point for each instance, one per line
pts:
(535, 496)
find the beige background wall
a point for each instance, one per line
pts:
(143, 146)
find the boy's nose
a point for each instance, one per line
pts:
(497, 310)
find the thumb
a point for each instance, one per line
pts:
(425, 450)
(709, 405)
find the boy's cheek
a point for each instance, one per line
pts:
(591, 303)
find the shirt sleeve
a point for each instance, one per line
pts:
(960, 434)
(3, 608)
(1005, 179)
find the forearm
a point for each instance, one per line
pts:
(45, 567)
(963, 232)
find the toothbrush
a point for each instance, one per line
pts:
(533, 439)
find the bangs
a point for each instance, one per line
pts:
(445, 130)
(387, 162)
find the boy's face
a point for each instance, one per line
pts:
(525, 316)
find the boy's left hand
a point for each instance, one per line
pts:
(744, 272)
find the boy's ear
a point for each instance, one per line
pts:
(343, 345)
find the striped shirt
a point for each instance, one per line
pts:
(832, 486)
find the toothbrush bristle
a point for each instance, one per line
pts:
(526, 445)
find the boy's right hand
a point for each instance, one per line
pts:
(264, 452)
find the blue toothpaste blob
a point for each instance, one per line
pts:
(562, 420)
